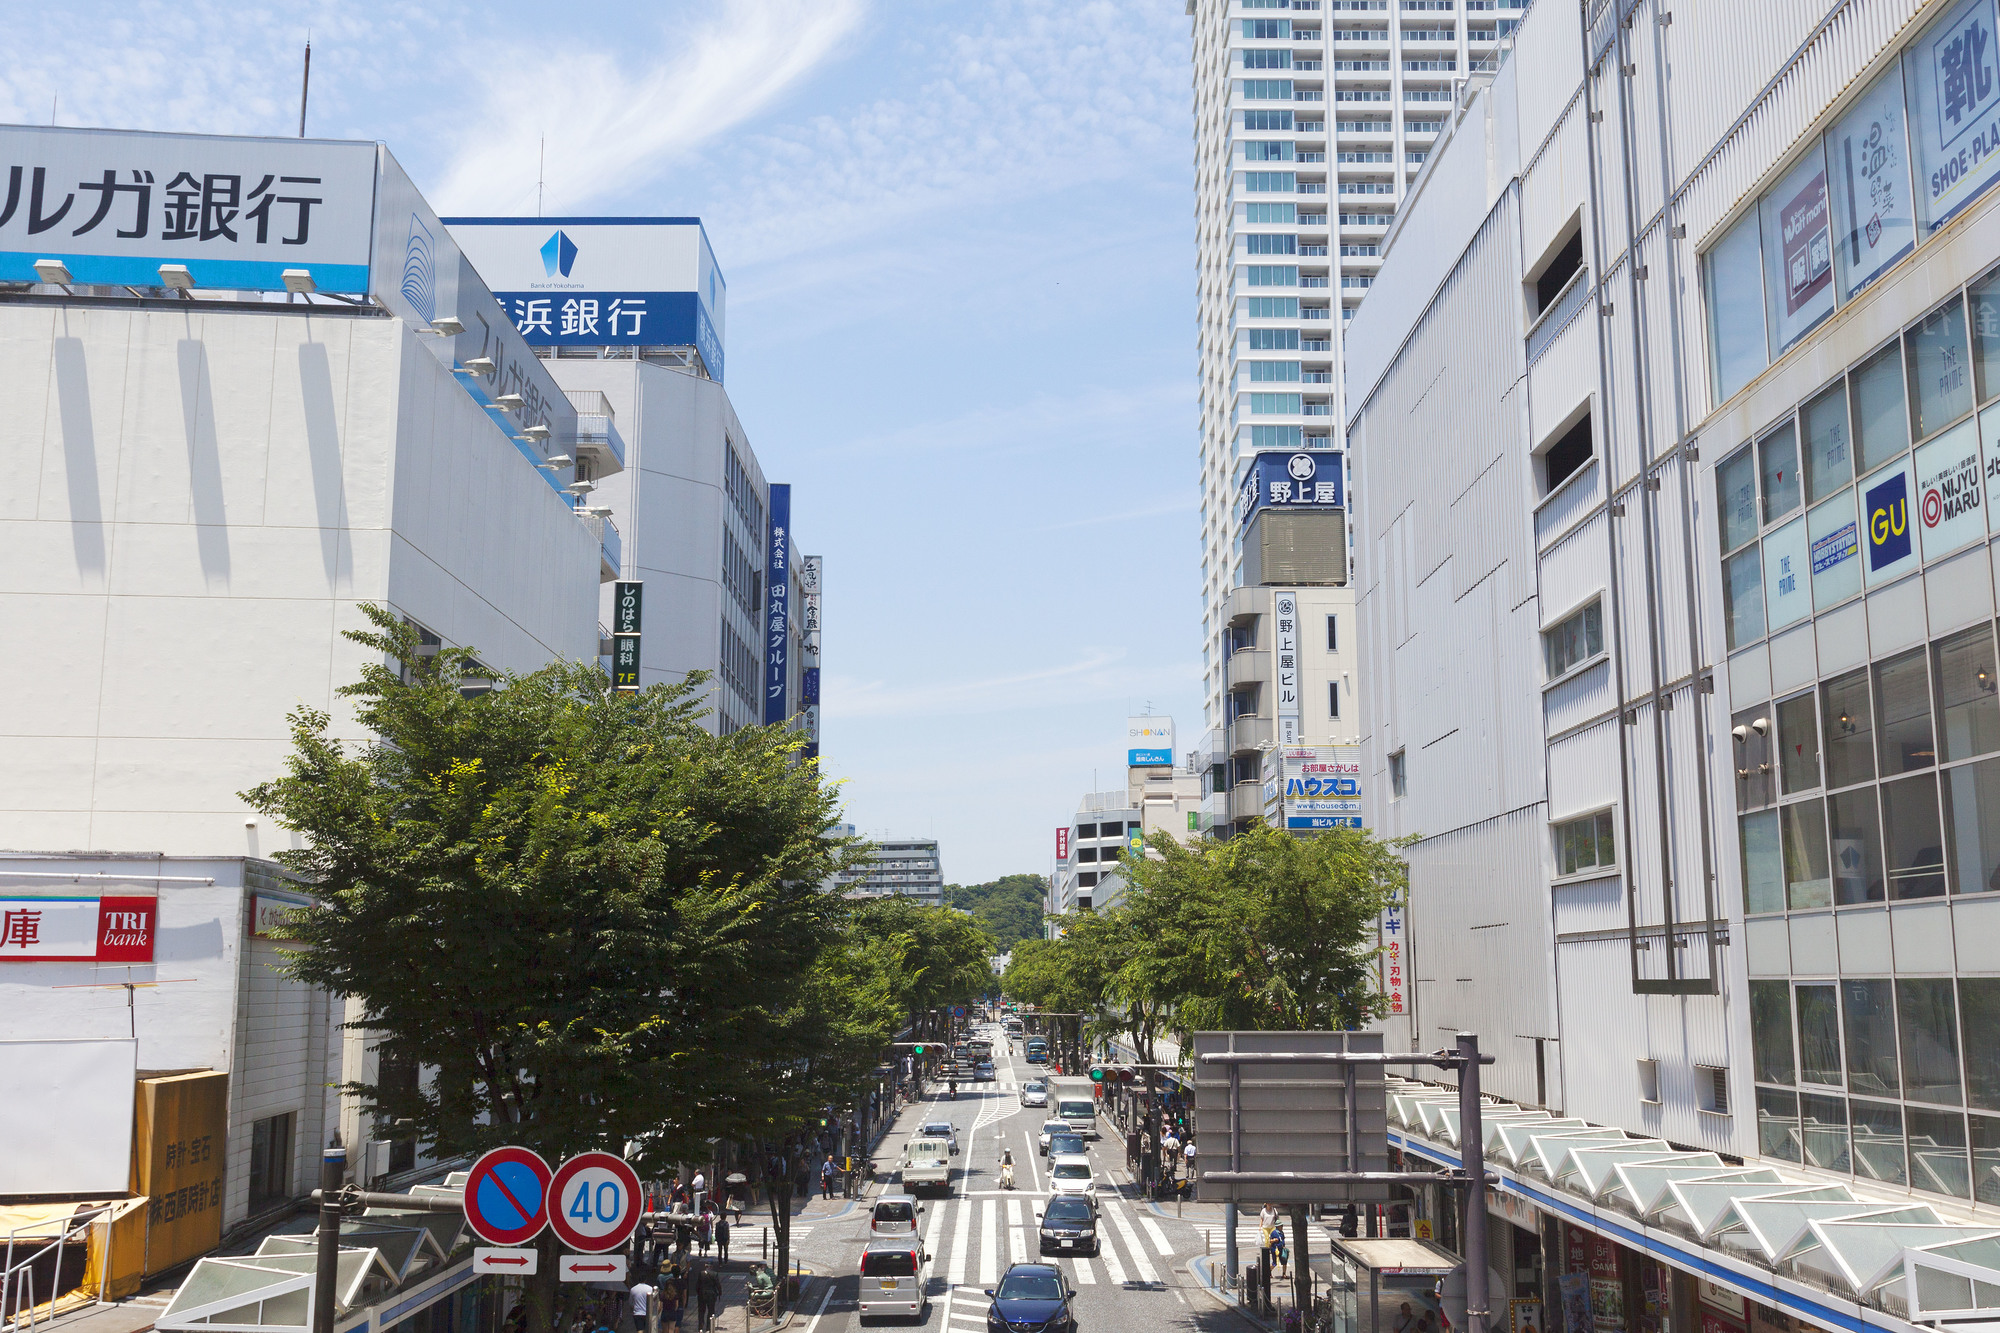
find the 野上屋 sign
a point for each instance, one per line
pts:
(1953, 77)
(1149, 742)
(1285, 609)
(778, 605)
(602, 282)
(78, 929)
(1291, 479)
(114, 206)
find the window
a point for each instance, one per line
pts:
(1986, 336)
(1273, 275)
(1272, 307)
(1333, 698)
(1829, 463)
(1585, 844)
(1743, 597)
(1735, 309)
(1939, 369)
(1555, 274)
(271, 1161)
(1849, 729)
(1711, 1089)
(1972, 810)
(1871, 1037)
(1875, 388)
(1086, 830)
(1267, 90)
(1399, 783)
(1819, 1033)
(1086, 853)
(1267, 60)
(1798, 251)
(1878, 1141)
(1967, 682)
(1808, 876)
(1798, 744)
(1333, 634)
(1566, 455)
(1763, 863)
(1751, 732)
(1274, 404)
(1267, 30)
(1914, 843)
(1937, 1152)
(1868, 153)
(1574, 640)
(1771, 1032)
(1087, 879)
(1902, 693)
(1979, 1019)
(1736, 498)
(1267, 120)
(1271, 245)
(1649, 1081)
(1270, 182)
(1928, 1022)
(1856, 832)
(1274, 340)
(1268, 150)
(1823, 1132)
(1778, 470)
(1265, 372)
(1778, 1124)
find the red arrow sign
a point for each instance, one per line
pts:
(593, 1268)
(491, 1262)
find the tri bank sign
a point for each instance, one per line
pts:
(603, 282)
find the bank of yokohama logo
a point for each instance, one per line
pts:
(420, 271)
(558, 255)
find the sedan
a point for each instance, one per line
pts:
(1031, 1296)
(983, 1071)
(1034, 1094)
(1069, 1224)
(1067, 1144)
(1051, 1127)
(940, 1129)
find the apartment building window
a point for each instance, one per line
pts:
(1272, 215)
(1268, 120)
(1267, 60)
(1274, 340)
(1086, 853)
(1274, 404)
(1273, 275)
(1575, 639)
(1585, 844)
(1564, 456)
(1271, 245)
(1260, 150)
(1267, 30)
(1333, 698)
(1333, 634)
(1279, 372)
(1269, 90)
(1399, 783)
(1271, 182)
(271, 1161)
(1272, 307)
(1277, 437)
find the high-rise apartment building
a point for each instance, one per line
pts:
(907, 866)
(1311, 119)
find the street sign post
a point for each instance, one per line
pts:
(507, 1196)
(594, 1202)
(521, 1263)
(591, 1268)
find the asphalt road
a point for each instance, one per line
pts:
(1139, 1282)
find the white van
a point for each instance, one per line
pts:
(894, 1278)
(894, 1215)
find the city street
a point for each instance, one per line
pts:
(1139, 1281)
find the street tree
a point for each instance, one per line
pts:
(588, 915)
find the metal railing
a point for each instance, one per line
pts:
(18, 1288)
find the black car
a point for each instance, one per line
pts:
(1031, 1298)
(1069, 1226)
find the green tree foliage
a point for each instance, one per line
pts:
(598, 923)
(1009, 908)
(943, 956)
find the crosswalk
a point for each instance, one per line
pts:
(972, 1242)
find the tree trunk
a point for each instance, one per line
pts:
(550, 1300)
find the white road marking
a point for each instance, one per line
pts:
(1106, 1252)
(961, 1241)
(824, 1298)
(1032, 1154)
(1017, 1240)
(1081, 1269)
(989, 1243)
(1126, 1232)
(1159, 1236)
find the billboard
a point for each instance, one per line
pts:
(601, 282)
(811, 571)
(1291, 479)
(1285, 608)
(1322, 787)
(77, 928)
(777, 605)
(1149, 742)
(114, 205)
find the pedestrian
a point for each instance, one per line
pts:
(683, 1235)
(672, 1298)
(708, 1291)
(1265, 1217)
(1187, 1153)
(642, 1300)
(698, 1187)
(738, 1200)
(1132, 1150)
(722, 1238)
(1280, 1257)
(704, 1231)
(827, 1172)
(1405, 1319)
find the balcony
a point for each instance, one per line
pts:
(610, 546)
(1307, 64)
(1312, 157)
(1246, 801)
(1312, 187)
(597, 435)
(1309, 251)
(1315, 345)
(1312, 280)
(1315, 312)
(1250, 732)
(1249, 666)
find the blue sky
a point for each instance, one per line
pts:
(959, 242)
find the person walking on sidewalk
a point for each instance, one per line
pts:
(827, 1172)
(642, 1300)
(704, 1231)
(708, 1292)
(722, 1238)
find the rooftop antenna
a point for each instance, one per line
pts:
(54, 102)
(305, 85)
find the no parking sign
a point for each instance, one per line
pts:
(507, 1196)
(594, 1202)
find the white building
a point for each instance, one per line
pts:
(1309, 124)
(907, 866)
(1677, 609)
(276, 392)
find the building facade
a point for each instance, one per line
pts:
(910, 867)
(1677, 601)
(1311, 118)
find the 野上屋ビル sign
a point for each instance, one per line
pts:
(1285, 610)
(113, 206)
(1291, 479)
(1149, 742)
(78, 930)
(601, 282)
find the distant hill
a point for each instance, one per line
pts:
(1009, 908)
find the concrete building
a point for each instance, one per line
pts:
(1111, 825)
(1309, 125)
(907, 866)
(1677, 610)
(231, 425)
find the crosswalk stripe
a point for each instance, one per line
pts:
(1017, 1240)
(1109, 1255)
(961, 1241)
(989, 1243)
(1159, 1236)
(1134, 1249)
(1080, 1269)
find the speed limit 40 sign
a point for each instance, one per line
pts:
(594, 1202)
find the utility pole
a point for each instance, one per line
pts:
(332, 1169)
(305, 86)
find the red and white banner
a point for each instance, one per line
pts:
(77, 930)
(1062, 844)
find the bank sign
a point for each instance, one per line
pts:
(1299, 479)
(69, 929)
(113, 206)
(603, 282)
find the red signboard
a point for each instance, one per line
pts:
(1062, 844)
(507, 1196)
(78, 929)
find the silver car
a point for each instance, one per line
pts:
(1034, 1093)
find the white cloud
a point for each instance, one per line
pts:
(611, 130)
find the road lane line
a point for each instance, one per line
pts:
(1032, 1153)
(1134, 1248)
(1159, 1236)
(1017, 1240)
(961, 1241)
(989, 1242)
(824, 1298)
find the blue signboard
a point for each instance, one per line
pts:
(1296, 479)
(1149, 758)
(1323, 821)
(777, 605)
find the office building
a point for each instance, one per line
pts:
(910, 867)
(247, 390)
(1677, 604)
(629, 316)
(1310, 123)
(1162, 794)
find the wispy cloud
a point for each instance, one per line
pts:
(612, 130)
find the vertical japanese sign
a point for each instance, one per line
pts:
(236, 212)
(810, 571)
(777, 605)
(1390, 963)
(1286, 608)
(627, 603)
(1062, 843)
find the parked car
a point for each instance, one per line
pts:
(1032, 1296)
(1069, 1224)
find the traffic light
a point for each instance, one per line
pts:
(1124, 1076)
(917, 1050)
(1097, 1073)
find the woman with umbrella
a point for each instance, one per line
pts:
(738, 1184)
